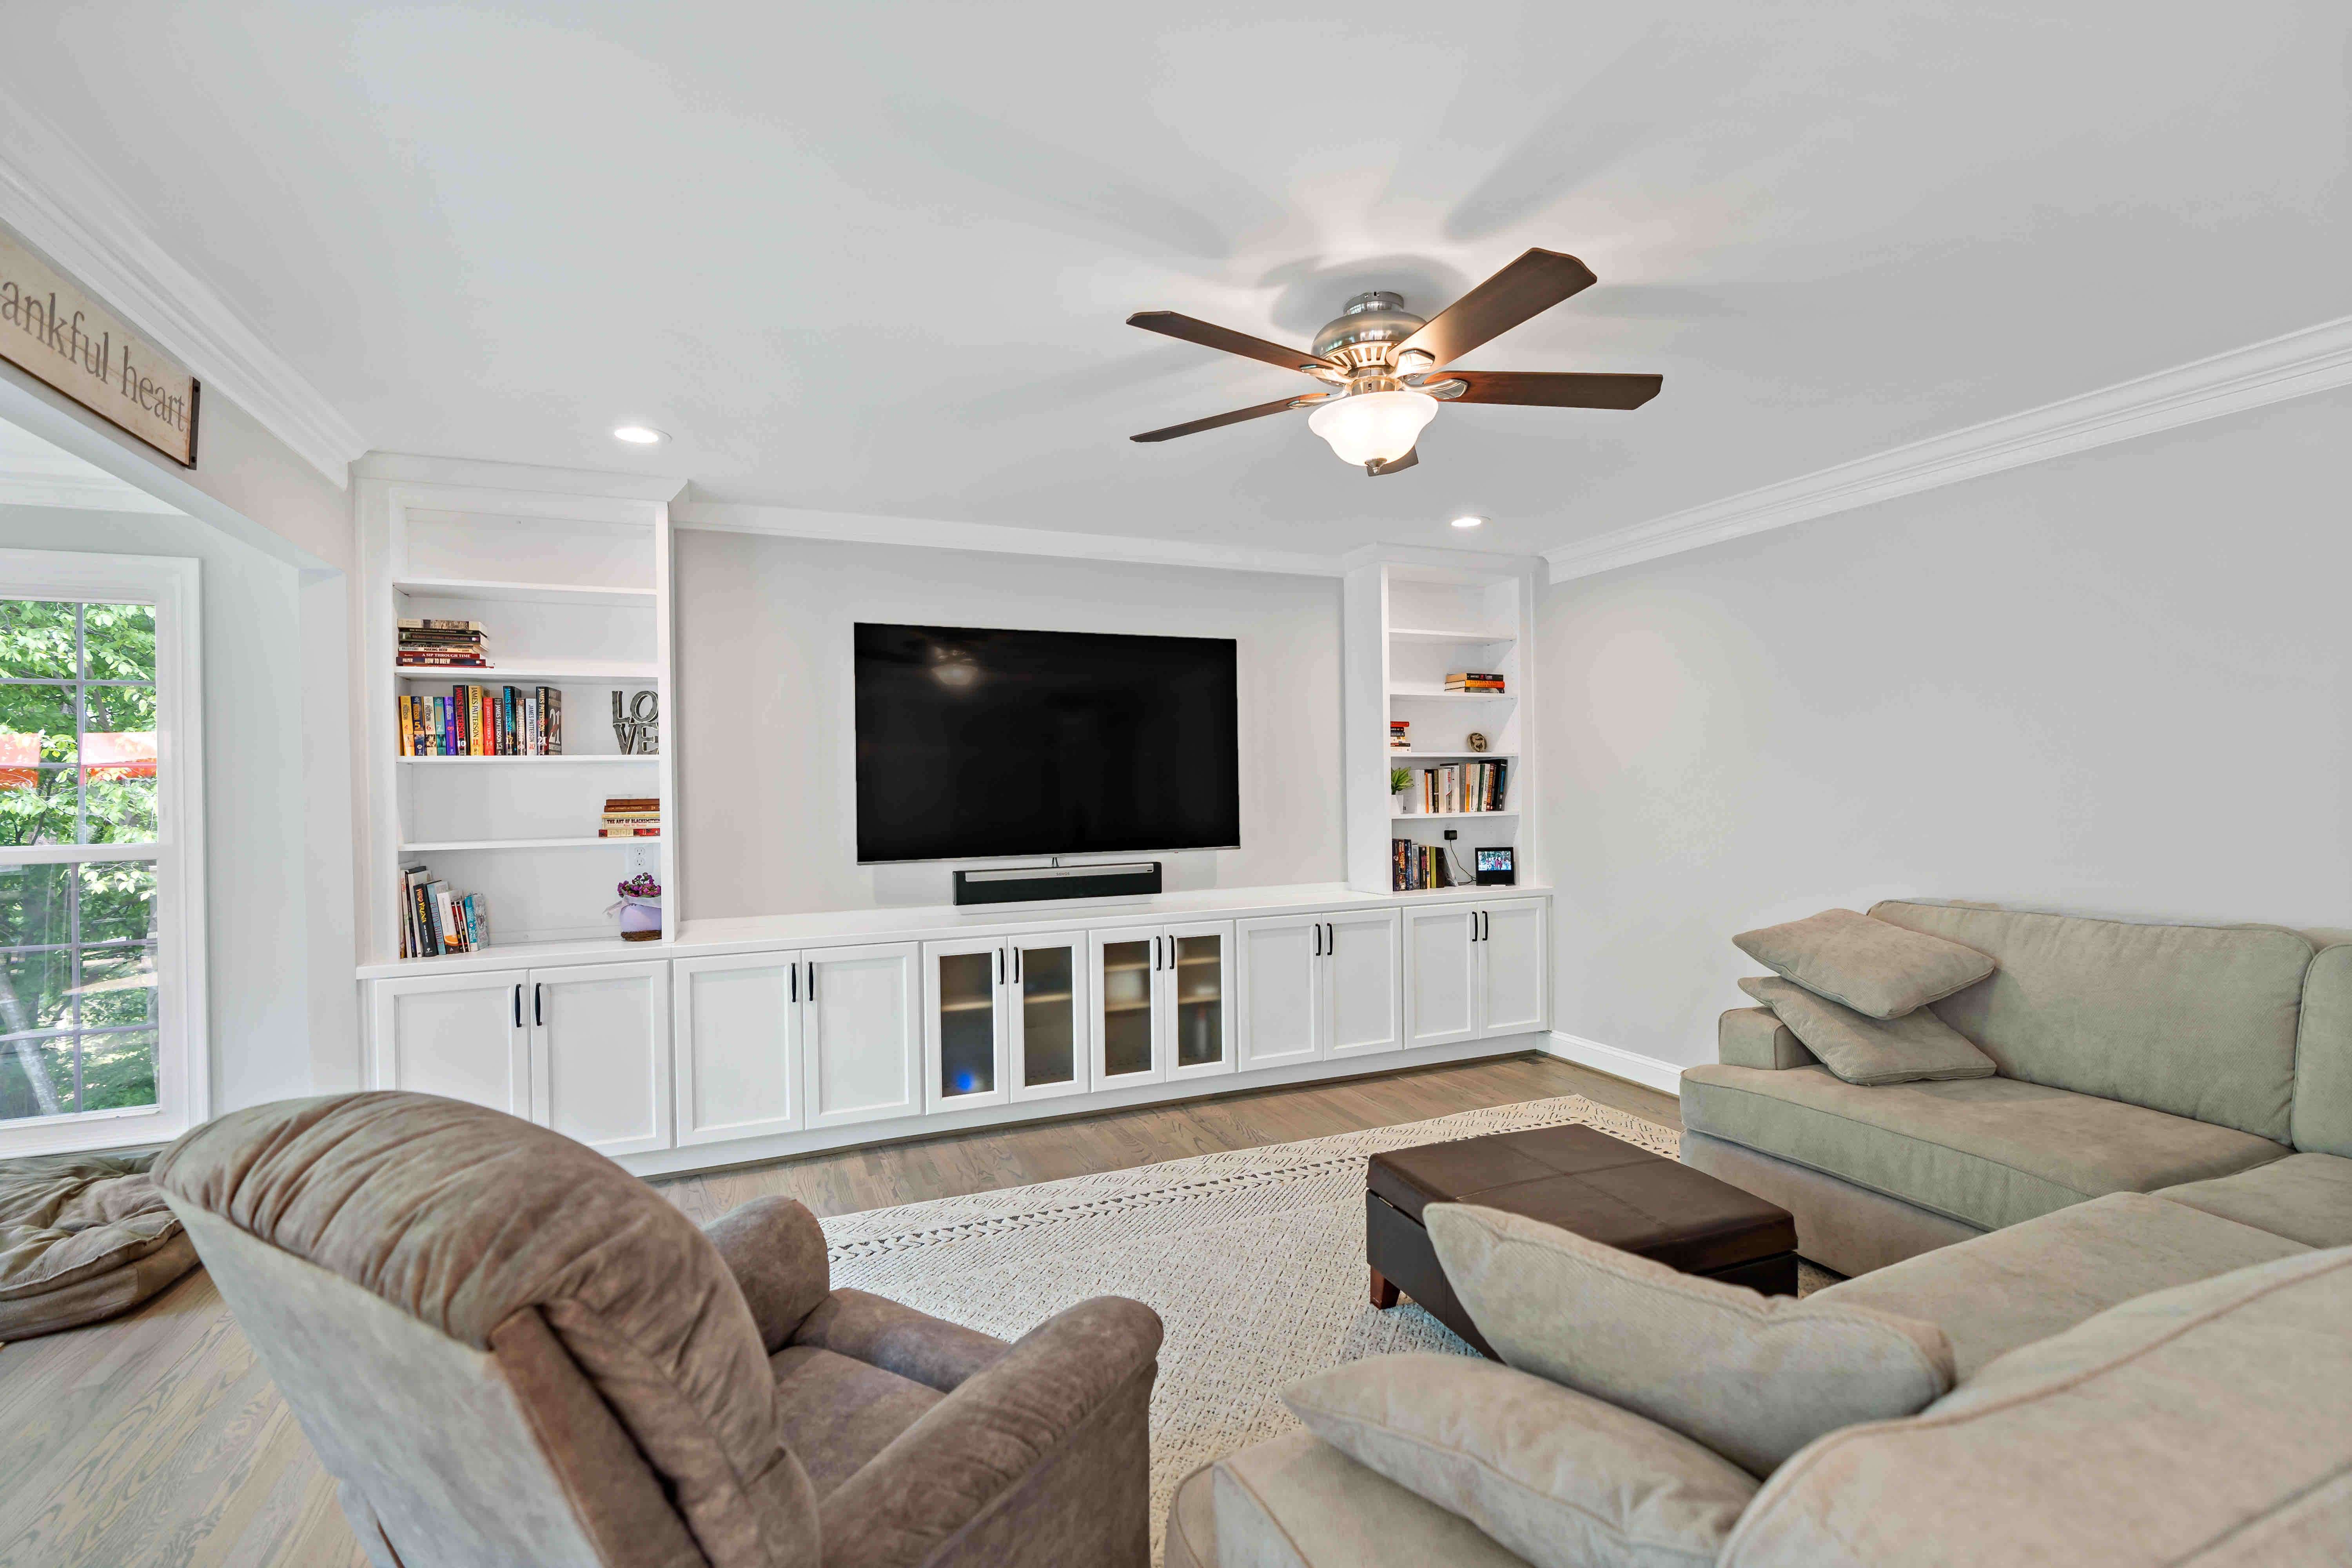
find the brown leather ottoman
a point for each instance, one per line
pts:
(1579, 1179)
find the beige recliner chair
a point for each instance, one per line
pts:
(509, 1351)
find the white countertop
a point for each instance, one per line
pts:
(837, 928)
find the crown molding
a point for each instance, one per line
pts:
(857, 528)
(98, 239)
(2315, 359)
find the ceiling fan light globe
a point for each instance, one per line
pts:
(1373, 426)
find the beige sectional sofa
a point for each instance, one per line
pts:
(2136, 1239)
(2210, 1063)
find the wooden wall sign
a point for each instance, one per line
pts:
(60, 334)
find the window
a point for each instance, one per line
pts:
(100, 933)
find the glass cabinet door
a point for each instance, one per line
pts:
(1048, 1016)
(966, 1024)
(1128, 967)
(1198, 1005)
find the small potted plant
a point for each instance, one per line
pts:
(1400, 786)
(640, 907)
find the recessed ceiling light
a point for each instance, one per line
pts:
(638, 435)
(1469, 521)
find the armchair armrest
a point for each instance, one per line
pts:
(1755, 1037)
(880, 1332)
(775, 1249)
(1065, 1410)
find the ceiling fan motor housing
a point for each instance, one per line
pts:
(1364, 337)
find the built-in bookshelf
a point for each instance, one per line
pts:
(571, 588)
(1411, 624)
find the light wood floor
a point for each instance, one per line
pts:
(159, 1439)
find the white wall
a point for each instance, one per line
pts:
(2117, 682)
(766, 744)
(260, 922)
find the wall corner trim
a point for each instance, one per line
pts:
(2315, 359)
(1648, 1071)
(100, 241)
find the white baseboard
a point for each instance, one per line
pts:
(1648, 1071)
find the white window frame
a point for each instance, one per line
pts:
(183, 1035)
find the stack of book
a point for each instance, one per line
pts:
(1400, 734)
(437, 919)
(631, 817)
(483, 721)
(1418, 867)
(1465, 786)
(443, 645)
(1474, 681)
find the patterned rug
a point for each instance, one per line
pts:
(1254, 1259)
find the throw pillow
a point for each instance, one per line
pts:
(1563, 1480)
(1862, 1049)
(1754, 1377)
(1872, 966)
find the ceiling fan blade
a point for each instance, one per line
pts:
(1548, 389)
(1528, 286)
(1235, 417)
(1209, 335)
(1394, 465)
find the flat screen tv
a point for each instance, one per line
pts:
(975, 741)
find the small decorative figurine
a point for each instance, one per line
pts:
(640, 907)
(1477, 742)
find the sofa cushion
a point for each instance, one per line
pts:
(2198, 1020)
(1295, 1501)
(838, 1413)
(82, 1236)
(1868, 965)
(1755, 1037)
(1862, 1050)
(1563, 1480)
(2010, 1287)
(2303, 1197)
(1668, 1345)
(2323, 1055)
(1988, 1151)
(2206, 1424)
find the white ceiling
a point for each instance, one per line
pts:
(877, 258)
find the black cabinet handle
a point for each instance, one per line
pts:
(1318, 939)
(812, 979)
(538, 1013)
(518, 1003)
(1016, 965)
(1330, 940)
(1000, 966)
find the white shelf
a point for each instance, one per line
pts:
(1456, 756)
(525, 761)
(528, 593)
(1438, 694)
(1433, 634)
(1445, 815)
(550, 672)
(518, 844)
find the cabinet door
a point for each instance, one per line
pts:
(1513, 959)
(966, 992)
(1441, 975)
(862, 1033)
(735, 1030)
(600, 1055)
(1046, 1005)
(1197, 998)
(461, 1035)
(1277, 982)
(1125, 967)
(1366, 1011)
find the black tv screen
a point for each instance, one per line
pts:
(975, 741)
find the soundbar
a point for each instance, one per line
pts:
(1021, 884)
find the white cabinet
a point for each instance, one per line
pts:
(461, 1035)
(1315, 986)
(736, 1032)
(1474, 970)
(1004, 1019)
(1047, 1007)
(1163, 1008)
(599, 1070)
(861, 1033)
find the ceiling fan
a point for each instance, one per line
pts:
(1385, 364)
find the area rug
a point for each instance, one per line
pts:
(1254, 1259)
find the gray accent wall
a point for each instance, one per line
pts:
(2119, 682)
